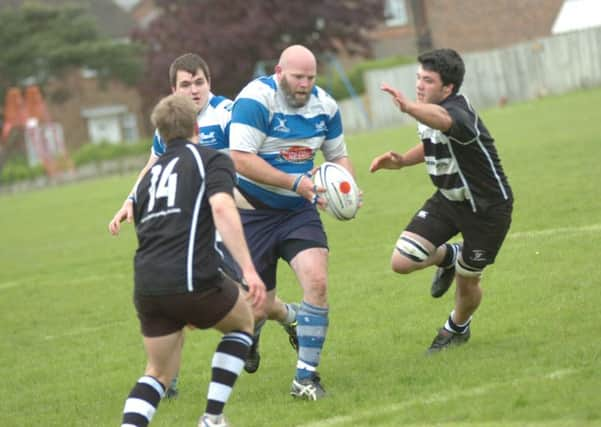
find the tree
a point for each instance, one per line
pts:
(232, 36)
(41, 42)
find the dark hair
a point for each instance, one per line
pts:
(447, 63)
(189, 62)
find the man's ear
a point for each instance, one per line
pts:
(448, 89)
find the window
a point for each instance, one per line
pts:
(396, 13)
(130, 127)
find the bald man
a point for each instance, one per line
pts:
(278, 124)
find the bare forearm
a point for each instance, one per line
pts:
(253, 167)
(413, 156)
(431, 115)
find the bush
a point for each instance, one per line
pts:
(338, 90)
(90, 153)
(17, 169)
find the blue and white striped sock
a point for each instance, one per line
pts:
(312, 328)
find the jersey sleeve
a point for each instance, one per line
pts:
(334, 146)
(158, 146)
(464, 127)
(220, 175)
(250, 119)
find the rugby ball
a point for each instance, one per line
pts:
(342, 193)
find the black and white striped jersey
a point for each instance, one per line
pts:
(174, 224)
(463, 162)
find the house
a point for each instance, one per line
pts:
(87, 111)
(465, 25)
(577, 15)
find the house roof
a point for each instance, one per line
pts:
(577, 15)
(112, 20)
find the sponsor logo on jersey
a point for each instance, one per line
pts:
(296, 154)
(281, 126)
(208, 138)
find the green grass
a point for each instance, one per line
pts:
(70, 349)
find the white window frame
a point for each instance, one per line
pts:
(396, 10)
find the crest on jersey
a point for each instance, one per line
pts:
(321, 126)
(297, 154)
(281, 126)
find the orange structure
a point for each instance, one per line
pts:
(44, 141)
(14, 112)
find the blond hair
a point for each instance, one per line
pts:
(175, 117)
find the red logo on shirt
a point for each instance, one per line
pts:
(297, 154)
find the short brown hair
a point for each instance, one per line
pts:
(189, 62)
(175, 117)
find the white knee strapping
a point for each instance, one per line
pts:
(412, 249)
(465, 270)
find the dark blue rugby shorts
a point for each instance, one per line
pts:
(274, 233)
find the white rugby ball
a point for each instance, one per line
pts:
(342, 193)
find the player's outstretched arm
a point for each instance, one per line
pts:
(398, 98)
(388, 160)
(393, 160)
(432, 115)
(126, 212)
(228, 223)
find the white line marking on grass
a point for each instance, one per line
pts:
(555, 375)
(83, 331)
(553, 231)
(361, 416)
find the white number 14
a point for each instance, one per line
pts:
(167, 184)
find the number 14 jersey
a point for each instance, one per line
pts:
(174, 224)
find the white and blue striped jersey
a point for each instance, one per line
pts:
(285, 137)
(213, 126)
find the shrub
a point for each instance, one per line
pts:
(90, 153)
(17, 169)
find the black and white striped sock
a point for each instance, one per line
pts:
(227, 364)
(142, 402)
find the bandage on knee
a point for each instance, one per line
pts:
(412, 249)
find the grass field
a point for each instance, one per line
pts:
(70, 348)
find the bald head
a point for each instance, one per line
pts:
(295, 72)
(297, 56)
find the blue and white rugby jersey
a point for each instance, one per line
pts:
(285, 137)
(213, 126)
